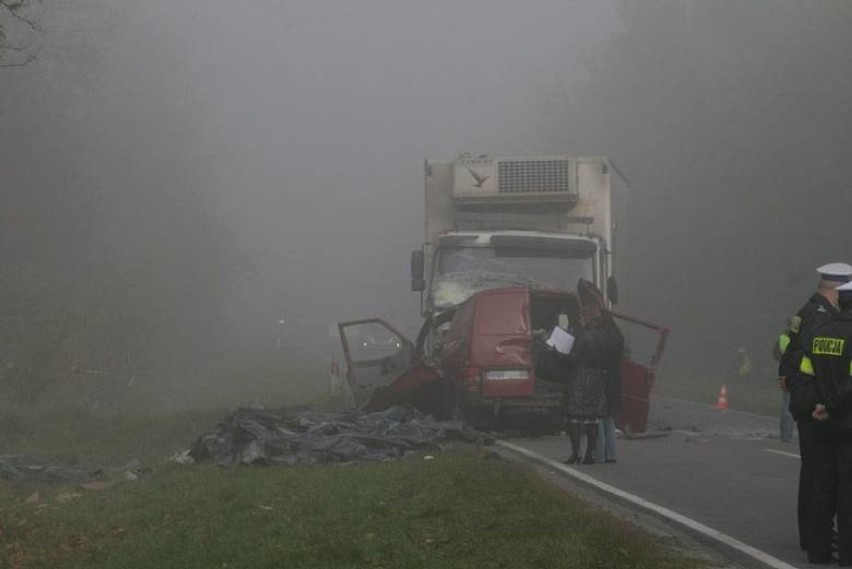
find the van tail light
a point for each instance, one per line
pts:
(470, 378)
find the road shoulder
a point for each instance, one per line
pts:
(670, 535)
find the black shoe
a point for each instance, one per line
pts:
(611, 460)
(589, 460)
(826, 560)
(573, 459)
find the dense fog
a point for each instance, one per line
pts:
(176, 177)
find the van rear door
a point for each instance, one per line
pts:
(501, 342)
(637, 378)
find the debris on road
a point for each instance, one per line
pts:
(17, 468)
(63, 497)
(24, 469)
(291, 436)
(182, 457)
(104, 485)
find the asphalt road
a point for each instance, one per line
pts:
(726, 470)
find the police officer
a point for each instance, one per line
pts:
(820, 309)
(829, 355)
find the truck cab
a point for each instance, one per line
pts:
(542, 222)
(467, 262)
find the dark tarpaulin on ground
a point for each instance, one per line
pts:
(17, 468)
(290, 436)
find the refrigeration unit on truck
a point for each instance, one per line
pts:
(508, 239)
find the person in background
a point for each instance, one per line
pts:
(819, 310)
(785, 420)
(605, 447)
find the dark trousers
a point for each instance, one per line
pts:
(807, 442)
(831, 494)
(844, 501)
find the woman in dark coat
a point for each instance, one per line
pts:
(588, 362)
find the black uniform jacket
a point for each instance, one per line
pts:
(815, 314)
(830, 351)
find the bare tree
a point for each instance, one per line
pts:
(13, 16)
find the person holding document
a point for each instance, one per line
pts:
(588, 359)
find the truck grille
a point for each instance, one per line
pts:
(534, 176)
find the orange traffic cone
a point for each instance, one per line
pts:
(722, 400)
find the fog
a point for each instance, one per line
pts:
(240, 162)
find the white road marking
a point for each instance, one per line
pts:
(728, 541)
(783, 453)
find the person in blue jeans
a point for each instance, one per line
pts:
(605, 444)
(786, 420)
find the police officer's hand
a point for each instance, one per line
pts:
(819, 413)
(782, 383)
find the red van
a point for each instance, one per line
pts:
(477, 361)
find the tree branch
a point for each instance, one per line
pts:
(13, 8)
(30, 58)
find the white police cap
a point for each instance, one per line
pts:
(845, 287)
(840, 272)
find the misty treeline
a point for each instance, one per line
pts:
(730, 118)
(123, 283)
(732, 121)
(105, 284)
(115, 260)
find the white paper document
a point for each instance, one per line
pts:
(560, 340)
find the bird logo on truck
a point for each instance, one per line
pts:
(478, 178)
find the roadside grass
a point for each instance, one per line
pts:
(151, 422)
(78, 436)
(460, 509)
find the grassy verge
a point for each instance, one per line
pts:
(457, 510)
(76, 435)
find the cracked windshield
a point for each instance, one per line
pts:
(463, 271)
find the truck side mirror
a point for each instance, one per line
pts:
(612, 289)
(417, 264)
(417, 282)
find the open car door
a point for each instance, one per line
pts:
(376, 354)
(637, 378)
